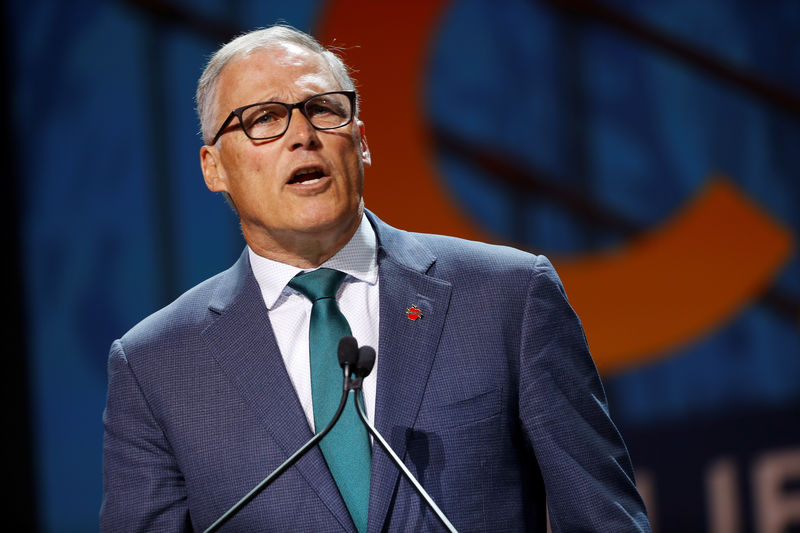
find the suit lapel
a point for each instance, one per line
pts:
(406, 352)
(242, 341)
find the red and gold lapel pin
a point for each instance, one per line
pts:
(414, 312)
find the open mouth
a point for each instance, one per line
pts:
(306, 175)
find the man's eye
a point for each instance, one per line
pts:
(263, 118)
(268, 117)
(320, 109)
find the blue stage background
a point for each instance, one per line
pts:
(115, 220)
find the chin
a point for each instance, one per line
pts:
(320, 221)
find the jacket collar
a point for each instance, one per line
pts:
(245, 347)
(407, 350)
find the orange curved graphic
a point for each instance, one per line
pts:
(668, 287)
(387, 44)
(636, 303)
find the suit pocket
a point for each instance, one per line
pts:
(478, 408)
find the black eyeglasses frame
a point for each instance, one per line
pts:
(351, 95)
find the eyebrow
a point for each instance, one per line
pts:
(304, 95)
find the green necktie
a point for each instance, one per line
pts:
(346, 448)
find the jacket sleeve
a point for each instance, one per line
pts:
(584, 464)
(143, 487)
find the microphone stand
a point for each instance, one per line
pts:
(286, 464)
(360, 362)
(396, 460)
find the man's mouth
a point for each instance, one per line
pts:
(306, 176)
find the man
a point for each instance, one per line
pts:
(483, 382)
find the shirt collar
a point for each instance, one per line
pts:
(358, 258)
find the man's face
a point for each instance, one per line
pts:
(302, 189)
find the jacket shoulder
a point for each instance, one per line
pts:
(181, 320)
(454, 254)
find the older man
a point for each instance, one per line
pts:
(500, 418)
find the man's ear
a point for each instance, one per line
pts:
(213, 171)
(366, 158)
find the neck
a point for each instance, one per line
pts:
(303, 250)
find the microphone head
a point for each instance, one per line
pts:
(348, 351)
(366, 360)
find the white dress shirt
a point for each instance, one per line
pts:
(290, 311)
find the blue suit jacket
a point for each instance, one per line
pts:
(491, 399)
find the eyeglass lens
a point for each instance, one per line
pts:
(324, 111)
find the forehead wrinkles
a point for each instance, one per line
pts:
(291, 55)
(278, 69)
(305, 67)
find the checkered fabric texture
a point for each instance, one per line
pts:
(491, 399)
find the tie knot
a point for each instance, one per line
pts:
(318, 284)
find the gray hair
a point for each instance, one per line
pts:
(248, 43)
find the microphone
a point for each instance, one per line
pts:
(348, 359)
(348, 354)
(364, 364)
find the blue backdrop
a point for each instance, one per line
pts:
(631, 104)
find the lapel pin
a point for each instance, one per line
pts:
(414, 312)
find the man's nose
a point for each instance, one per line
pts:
(300, 132)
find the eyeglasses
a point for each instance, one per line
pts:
(268, 120)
